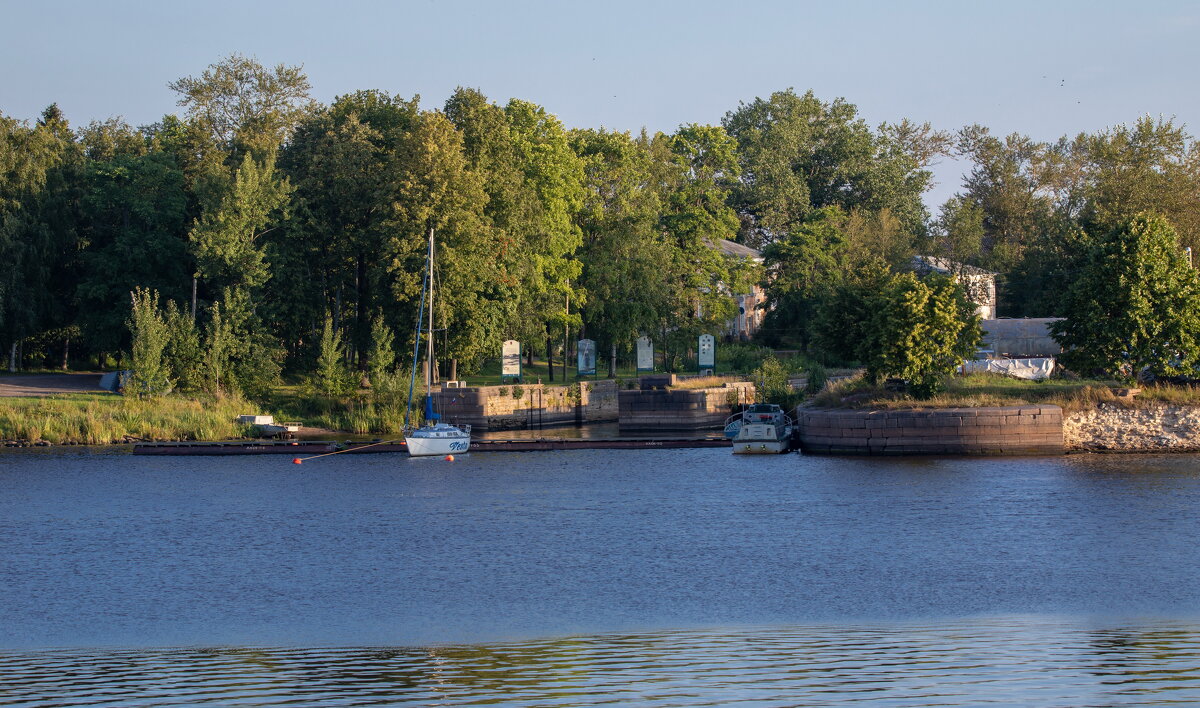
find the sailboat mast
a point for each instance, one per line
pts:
(429, 353)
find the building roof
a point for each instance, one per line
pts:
(731, 248)
(945, 266)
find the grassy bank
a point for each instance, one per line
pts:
(984, 389)
(102, 418)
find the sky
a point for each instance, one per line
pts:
(1044, 69)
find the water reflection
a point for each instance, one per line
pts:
(1045, 661)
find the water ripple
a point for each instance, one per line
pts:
(1042, 661)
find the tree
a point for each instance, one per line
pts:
(800, 154)
(1134, 308)
(134, 233)
(623, 249)
(150, 336)
(801, 269)
(243, 106)
(382, 356)
(920, 331)
(337, 253)
(40, 182)
(226, 240)
(184, 357)
(842, 317)
(331, 377)
(696, 167)
(1007, 185)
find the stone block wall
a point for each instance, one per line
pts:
(680, 410)
(1009, 430)
(1153, 428)
(521, 406)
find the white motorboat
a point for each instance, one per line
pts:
(762, 429)
(434, 437)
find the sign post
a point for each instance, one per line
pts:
(585, 354)
(645, 354)
(510, 360)
(707, 353)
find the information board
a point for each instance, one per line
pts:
(586, 357)
(707, 352)
(645, 354)
(510, 359)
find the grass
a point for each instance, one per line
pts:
(102, 418)
(986, 389)
(702, 382)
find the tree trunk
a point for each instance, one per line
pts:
(612, 361)
(12, 358)
(66, 353)
(454, 369)
(194, 279)
(550, 357)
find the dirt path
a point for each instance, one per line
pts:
(48, 384)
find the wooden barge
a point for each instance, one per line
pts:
(318, 447)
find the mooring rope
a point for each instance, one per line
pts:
(298, 460)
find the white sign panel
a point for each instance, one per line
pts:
(645, 354)
(586, 355)
(510, 360)
(708, 351)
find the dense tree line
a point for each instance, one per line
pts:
(264, 226)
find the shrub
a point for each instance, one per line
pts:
(817, 378)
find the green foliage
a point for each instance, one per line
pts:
(1135, 306)
(842, 318)
(135, 208)
(817, 378)
(800, 154)
(381, 358)
(183, 354)
(226, 239)
(332, 378)
(257, 368)
(219, 344)
(921, 330)
(741, 357)
(771, 383)
(242, 105)
(150, 336)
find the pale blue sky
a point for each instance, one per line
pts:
(1039, 68)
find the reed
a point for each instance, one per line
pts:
(107, 418)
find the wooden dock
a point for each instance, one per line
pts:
(297, 447)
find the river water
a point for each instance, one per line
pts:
(629, 577)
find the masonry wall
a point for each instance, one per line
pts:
(681, 410)
(517, 407)
(1009, 430)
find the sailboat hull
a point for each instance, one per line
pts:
(440, 439)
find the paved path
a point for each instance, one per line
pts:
(48, 384)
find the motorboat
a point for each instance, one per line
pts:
(763, 428)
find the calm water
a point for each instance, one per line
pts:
(658, 577)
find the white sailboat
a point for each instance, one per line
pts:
(435, 437)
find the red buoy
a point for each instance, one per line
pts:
(296, 460)
(449, 458)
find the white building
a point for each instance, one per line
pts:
(743, 326)
(980, 284)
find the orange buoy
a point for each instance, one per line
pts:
(296, 460)
(449, 458)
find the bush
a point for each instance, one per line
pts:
(817, 378)
(921, 331)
